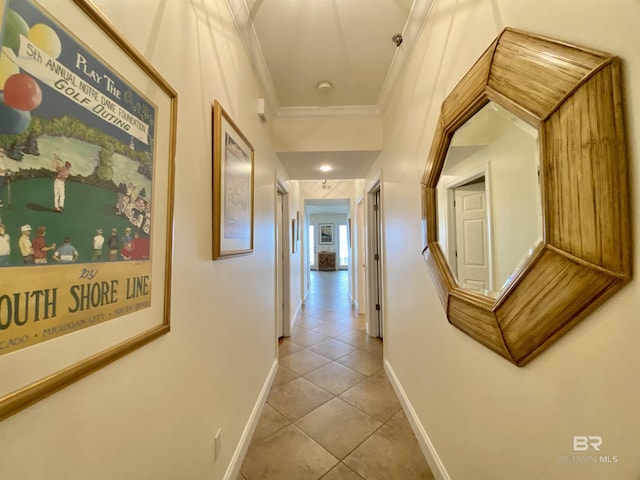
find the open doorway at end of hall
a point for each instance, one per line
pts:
(351, 241)
(323, 257)
(327, 243)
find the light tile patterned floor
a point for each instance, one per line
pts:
(332, 413)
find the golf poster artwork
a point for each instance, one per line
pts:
(76, 183)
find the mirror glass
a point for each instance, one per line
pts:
(488, 200)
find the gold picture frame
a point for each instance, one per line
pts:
(233, 179)
(294, 224)
(129, 316)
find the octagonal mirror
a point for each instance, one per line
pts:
(525, 193)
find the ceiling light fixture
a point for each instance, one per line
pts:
(326, 184)
(326, 168)
(324, 86)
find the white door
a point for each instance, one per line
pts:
(279, 267)
(472, 245)
(375, 320)
(359, 242)
(378, 261)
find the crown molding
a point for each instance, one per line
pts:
(348, 111)
(241, 15)
(420, 11)
(246, 29)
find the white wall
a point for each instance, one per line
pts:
(312, 189)
(299, 134)
(296, 279)
(153, 414)
(487, 419)
(516, 214)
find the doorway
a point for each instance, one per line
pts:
(375, 318)
(359, 260)
(282, 283)
(327, 235)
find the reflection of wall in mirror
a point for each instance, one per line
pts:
(510, 163)
(515, 197)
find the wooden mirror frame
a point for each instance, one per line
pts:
(572, 96)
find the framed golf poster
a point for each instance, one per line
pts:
(87, 144)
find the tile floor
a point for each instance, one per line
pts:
(332, 413)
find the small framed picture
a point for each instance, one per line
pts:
(232, 187)
(293, 235)
(326, 233)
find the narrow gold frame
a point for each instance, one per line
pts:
(218, 114)
(294, 223)
(33, 393)
(572, 96)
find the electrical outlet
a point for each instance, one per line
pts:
(217, 444)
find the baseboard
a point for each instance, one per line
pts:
(429, 451)
(294, 317)
(233, 470)
(306, 294)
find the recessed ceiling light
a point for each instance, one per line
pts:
(326, 168)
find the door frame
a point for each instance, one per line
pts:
(359, 257)
(374, 268)
(283, 263)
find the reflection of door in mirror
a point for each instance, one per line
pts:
(472, 251)
(496, 147)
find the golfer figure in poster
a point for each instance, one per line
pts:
(98, 242)
(26, 249)
(40, 247)
(66, 253)
(63, 171)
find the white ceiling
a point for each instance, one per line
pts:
(346, 165)
(345, 42)
(295, 44)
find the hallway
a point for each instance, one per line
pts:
(332, 414)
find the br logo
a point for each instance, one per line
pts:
(582, 443)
